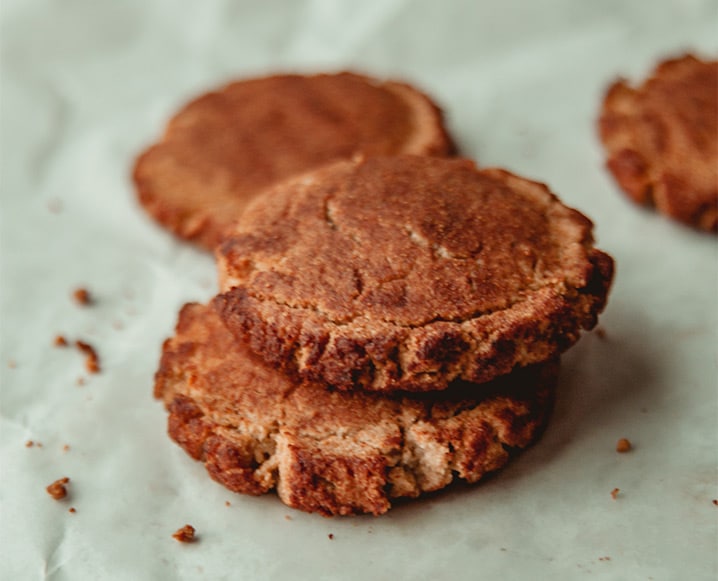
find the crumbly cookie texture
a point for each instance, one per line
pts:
(661, 139)
(407, 272)
(224, 147)
(332, 452)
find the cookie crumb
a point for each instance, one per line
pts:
(80, 381)
(227, 503)
(604, 558)
(715, 502)
(331, 536)
(57, 489)
(30, 444)
(623, 445)
(82, 297)
(615, 492)
(72, 510)
(184, 534)
(600, 333)
(55, 205)
(11, 363)
(92, 360)
(66, 448)
(60, 341)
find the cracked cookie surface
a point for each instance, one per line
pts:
(662, 140)
(223, 148)
(332, 452)
(408, 272)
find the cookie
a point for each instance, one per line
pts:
(224, 147)
(332, 452)
(661, 140)
(407, 272)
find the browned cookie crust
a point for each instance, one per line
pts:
(662, 140)
(334, 452)
(408, 272)
(224, 147)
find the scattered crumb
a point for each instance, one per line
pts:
(227, 503)
(503, 548)
(185, 534)
(80, 381)
(66, 448)
(11, 363)
(82, 297)
(615, 492)
(92, 360)
(623, 445)
(331, 536)
(60, 341)
(55, 205)
(600, 332)
(30, 444)
(72, 510)
(604, 558)
(287, 517)
(57, 489)
(715, 502)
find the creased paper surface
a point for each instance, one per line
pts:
(86, 85)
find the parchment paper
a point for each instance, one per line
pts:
(87, 84)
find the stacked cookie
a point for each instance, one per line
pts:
(385, 325)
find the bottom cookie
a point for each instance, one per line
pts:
(335, 453)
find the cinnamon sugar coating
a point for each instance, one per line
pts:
(226, 146)
(405, 273)
(661, 140)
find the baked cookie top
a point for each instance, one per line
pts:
(407, 272)
(224, 147)
(332, 452)
(662, 140)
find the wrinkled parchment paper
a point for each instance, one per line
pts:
(87, 84)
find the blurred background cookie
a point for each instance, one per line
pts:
(224, 147)
(407, 272)
(661, 139)
(331, 452)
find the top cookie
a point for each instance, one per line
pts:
(224, 147)
(406, 272)
(662, 140)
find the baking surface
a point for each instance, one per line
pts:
(86, 85)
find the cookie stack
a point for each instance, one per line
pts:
(385, 325)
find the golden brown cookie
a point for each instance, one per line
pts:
(224, 147)
(407, 272)
(331, 452)
(662, 140)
